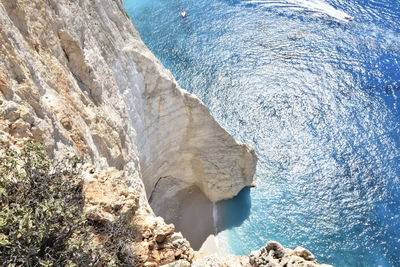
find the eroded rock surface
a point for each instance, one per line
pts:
(221, 260)
(76, 76)
(108, 200)
(275, 255)
(272, 254)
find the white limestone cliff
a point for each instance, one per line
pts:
(75, 75)
(88, 84)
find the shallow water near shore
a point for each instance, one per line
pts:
(314, 87)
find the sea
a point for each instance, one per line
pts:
(313, 86)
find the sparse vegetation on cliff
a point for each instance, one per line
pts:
(41, 214)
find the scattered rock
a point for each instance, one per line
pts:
(108, 199)
(179, 263)
(221, 260)
(275, 255)
(304, 253)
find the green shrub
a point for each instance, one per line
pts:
(41, 218)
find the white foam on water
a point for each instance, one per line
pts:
(222, 239)
(224, 242)
(310, 5)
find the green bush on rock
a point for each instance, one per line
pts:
(41, 218)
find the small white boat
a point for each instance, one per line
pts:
(183, 13)
(348, 17)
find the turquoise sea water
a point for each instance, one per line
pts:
(317, 96)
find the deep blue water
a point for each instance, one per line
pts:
(317, 96)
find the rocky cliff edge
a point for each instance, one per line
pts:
(76, 75)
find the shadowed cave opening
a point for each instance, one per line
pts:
(191, 212)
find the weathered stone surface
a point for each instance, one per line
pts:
(109, 200)
(272, 255)
(107, 196)
(275, 255)
(180, 263)
(148, 249)
(220, 260)
(304, 253)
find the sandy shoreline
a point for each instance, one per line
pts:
(210, 245)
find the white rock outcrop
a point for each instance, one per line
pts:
(274, 254)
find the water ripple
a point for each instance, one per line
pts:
(316, 96)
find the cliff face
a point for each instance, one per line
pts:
(56, 87)
(76, 75)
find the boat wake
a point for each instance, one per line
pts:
(308, 5)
